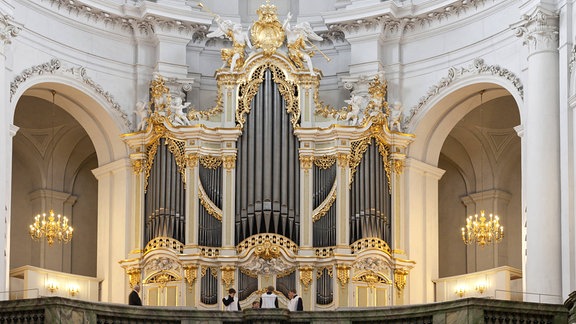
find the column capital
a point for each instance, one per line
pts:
(8, 30)
(538, 29)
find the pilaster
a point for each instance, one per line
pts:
(8, 30)
(114, 235)
(539, 30)
(419, 228)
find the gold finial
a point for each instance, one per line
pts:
(267, 33)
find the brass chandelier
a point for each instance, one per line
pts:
(481, 231)
(50, 226)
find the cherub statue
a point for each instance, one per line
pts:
(296, 38)
(178, 115)
(142, 113)
(396, 116)
(233, 56)
(354, 115)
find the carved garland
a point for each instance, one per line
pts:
(306, 276)
(207, 203)
(477, 67)
(248, 90)
(325, 205)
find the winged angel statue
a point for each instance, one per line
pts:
(232, 56)
(298, 42)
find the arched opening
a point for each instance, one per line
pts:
(53, 158)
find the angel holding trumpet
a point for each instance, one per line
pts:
(297, 40)
(233, 56)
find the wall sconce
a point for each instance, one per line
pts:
(73, 290)
(52, 286)
(481, 287)
(460, 291)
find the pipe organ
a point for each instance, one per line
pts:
(269, 187)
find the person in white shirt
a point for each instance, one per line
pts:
(231, 302)
(295, 303)
(269, 299)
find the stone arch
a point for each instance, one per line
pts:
(95, 110)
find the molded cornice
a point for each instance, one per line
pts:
(142, 17)
(394, 18)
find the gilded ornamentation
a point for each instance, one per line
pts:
(324, 252)
(229, 162)
(400, 279)
(306, 276)
(343, 159)
(267, 250)
(324, 162)
(371, 278)
(248, 90)
(267, 32)
(194, 114)
(164, 242)
(162, 279)
(343, 274)
(210, 162)
(213, 271)
(228, 275)
(398, 166)
(234, 56)
(190, 274)
(306, 162)
(207, 203)
(325, 205)
(210, 252)
(370, 243)
(192, 160)
(320, 272)
(259, 239)
(137, 166)
(133, 276)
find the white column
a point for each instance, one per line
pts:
(7, 31)
(419, 228)
(542, 179)
(115, 209)
(228, 208)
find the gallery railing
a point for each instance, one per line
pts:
(467, 310)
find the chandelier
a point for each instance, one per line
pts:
(50, 226)
(481, 231)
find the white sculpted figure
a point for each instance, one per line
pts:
(178, 115)
(142, 113)
(396, 116)
(354, 116)
(233, 56)
(296, 38)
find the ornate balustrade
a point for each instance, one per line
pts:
(469, 310)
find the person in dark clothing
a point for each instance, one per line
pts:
(295, 303)
(231, 302)
(134, 298)
(269, 299)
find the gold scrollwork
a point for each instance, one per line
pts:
(306, 276)
(343, 274)
(210, 162)
(258, 240)
(325, 205)
(398, 166)
(306, 162)
(162, 278)
(229, 162)
(267, 32)
(343, 159)
(210, 207)
(190, 273)
(133, 276)
(249, 89)
(324, 162)
(267, 250)
(137, 166)
(400, 279)
(192, 160)
(320, 272)
(228, 275)
(164, 242)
